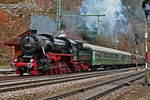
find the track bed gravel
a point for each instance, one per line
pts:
(50, 90)
(100, 90)
(136, 91)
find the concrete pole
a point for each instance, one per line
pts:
(98, 26)
(136, 57)
(142, 49)
(58, 19)
(146, 52)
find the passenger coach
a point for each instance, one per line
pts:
(101, 57)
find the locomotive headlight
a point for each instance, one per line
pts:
(29, 65)
(15, 60)
(27, 38)
(31, 60)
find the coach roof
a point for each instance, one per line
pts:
(99, 48)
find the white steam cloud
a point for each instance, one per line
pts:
(114, 18)
(43, 24)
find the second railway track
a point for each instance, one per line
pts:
(98, 90)
(12, 86)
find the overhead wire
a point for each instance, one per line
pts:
(127, 9)
(96, 20)
(130, 13)
(101, 12)
(98, 10)
(91, 9)
(104, 26)
(75, 27)
(94, 8)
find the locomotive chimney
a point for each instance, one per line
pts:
(34, 31)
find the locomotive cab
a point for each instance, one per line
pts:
(85, 55)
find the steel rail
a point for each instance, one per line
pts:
(81, 90)
(16, 78)
(44, 82)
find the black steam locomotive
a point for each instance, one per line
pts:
(38, 48)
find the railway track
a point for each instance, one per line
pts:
(4, 79)
(15, 78)
(98, 90)
(12, 86)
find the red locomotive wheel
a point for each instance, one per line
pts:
(59, 70)
(56, 71)
(51, 72)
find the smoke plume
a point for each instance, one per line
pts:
(43, 24)
(114, 19)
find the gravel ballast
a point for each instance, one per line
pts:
(49, 90)
(136, 91)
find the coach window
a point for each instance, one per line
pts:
(102, 54)
(105, 55)
(124, 56)
(111, 55)
(99, 54)
(96, 54)
(116, 56)
(128, 57)
(119, 56)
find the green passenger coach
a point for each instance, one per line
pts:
(97, 57)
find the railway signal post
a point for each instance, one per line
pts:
(146, 51)
(137, 42)
(146, 7)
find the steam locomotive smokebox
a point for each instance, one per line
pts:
(79, 44)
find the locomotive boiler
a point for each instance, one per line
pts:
(32, 43)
